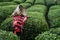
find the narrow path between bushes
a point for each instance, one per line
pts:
(46, 15)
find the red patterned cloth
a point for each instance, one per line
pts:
(18, 23)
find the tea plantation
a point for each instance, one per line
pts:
(43, 23)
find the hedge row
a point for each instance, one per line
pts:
(50, 2)
(39, 2)
(7, 36)
(18, 1)
(7, 24)
(53, 34)
(55, 30)
(26, 5)
(30, 1)
(5, 0)
(39, 15)
(47, 36)
(58, 2)
(6, 11)
(34, 25)
(54, 16)
(37, 8)
(7, 3)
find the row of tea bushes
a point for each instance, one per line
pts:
(18, 1)
(6, 0)
(54, 16)
(47, 36)
(34, 25)
(6, 11)
(37, 8)
(7, 3)
(7, 36)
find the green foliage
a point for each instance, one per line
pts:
(36, 19)
(7, 3)
(26, 5)
(6, 11)
(55, 30)
(7, 24)
(5, 0)
(7, 36)
(50, 2)
(47, 36)
(58, 2)
(37, 8)
(30, 1)
(18, 1)
(54, 16)
(40, 2)
(34, 25)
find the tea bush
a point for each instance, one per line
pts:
(54, 16)
(30, 1)
(7, 24)
(7, 3)
(50, 2)
(6, 0)
(47, 36)
(18, 1)
(39, 2)
(7, 36)
(37, 8)
(6, 11)
(26, 5)
(34, 25)
(58, 2)
(55, 30)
